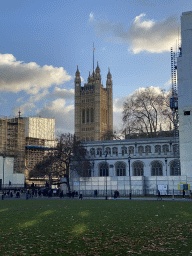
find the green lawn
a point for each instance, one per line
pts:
(95, 227)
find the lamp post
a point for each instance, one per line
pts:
(106, 173)
(166, 165)
(93, 163)
(129, 160)
(4, 156)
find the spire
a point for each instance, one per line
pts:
(109, 74)
(77, 72)
(109, 81)
(97, 70)
(19, 113)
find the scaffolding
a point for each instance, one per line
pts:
(174, 107)
(27, 140)
(40, 137)
(12, 141)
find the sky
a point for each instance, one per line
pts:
(43, 41)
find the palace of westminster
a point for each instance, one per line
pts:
(131, 164)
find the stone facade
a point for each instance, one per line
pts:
(153, 162)
(93, 107)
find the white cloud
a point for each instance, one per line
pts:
(39, 96)
(91, 17)
(63, 93)
(18, 76)
(64, 115)
(142, 35)
(26, 107)
(168, 84)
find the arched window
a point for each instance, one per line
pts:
(140, 150)
(175, 168)
(176, 148)
(92, 151)
(108, 151)
(147, 149)
(92, 115)
(120, 169)
(99, 151)
(124, 151)
(115, 151)
(138, 168)
(131, 150)
(87, 115)
(87, 138)
(158, 149)
(165, 149)
(103, 170)
(92, 138)
(156, 169)
(83, 116)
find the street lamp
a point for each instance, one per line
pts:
(166, 165)
(106, 172)
(129, 160)
(4, 156)
(93, 163)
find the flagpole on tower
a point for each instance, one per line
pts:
(93, 59)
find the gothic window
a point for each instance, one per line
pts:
(158, 149)
(147, 149)
(131, 150)
(92, 151)
(87, 115)
(83, 116)
(138, 168)
(165, 149)
(108, 151)
(124, 151)
(92, 139)
(140, 150)
(176, 148)
(92, 115)
(103, 170)
(99, 151)
(156, 169)
(115, 151)
(87, 138)
(120, 169)
(175, 168)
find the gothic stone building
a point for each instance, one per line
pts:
(141, 166)
(93, 107)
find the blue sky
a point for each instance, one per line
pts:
(43, 41)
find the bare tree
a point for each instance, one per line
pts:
(110, 135)
(147, 111)
(45, 169)
(69, 154)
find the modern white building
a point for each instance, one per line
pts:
(40, 128)
(184, 76)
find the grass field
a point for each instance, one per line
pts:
(95, 227)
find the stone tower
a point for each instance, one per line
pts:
(93, 107)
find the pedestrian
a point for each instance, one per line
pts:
(61, 194)
(183, 193)
(159, 195)
(115, 194)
